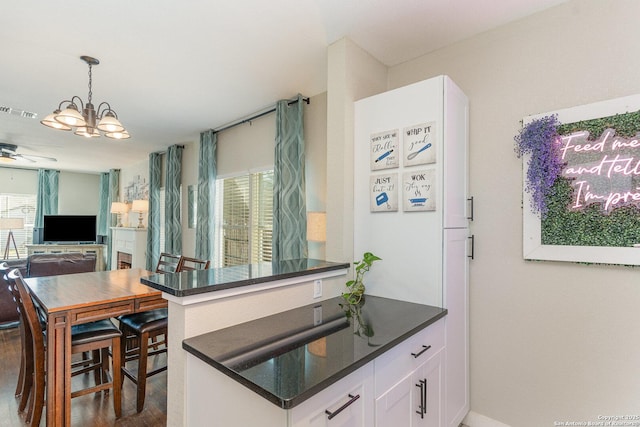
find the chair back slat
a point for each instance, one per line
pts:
(168, 263)
(190, 264)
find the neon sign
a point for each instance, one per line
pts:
(605, 171)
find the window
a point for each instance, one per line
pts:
(18, 206)
(244, 225)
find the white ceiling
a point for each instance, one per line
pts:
(172, 69)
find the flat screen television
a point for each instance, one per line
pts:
(69, 228)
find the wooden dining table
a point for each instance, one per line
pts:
(73, 299)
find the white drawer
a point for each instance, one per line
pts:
(401, 360)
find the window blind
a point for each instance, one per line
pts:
(244, 206)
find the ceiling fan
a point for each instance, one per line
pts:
(8, 154)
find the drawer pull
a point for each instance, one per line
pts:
(343, 407)
(424, 348)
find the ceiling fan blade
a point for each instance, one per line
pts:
(29, 157)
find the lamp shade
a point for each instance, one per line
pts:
(70, 116)
(110, 124)
(118, 135)
(11, 223)
(316, 226)
(119, 207)
(51, 122)
(140, 206)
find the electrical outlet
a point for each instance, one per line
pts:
(317, 315)
(317, 288)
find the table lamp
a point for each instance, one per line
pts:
(316, 226)
(140, 206)
(119, 208)
(10, 224)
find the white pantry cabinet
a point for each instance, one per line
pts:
(424, 250)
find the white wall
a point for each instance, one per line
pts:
(78, 193)
(247, 148)
(549, 341)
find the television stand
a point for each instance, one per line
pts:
(59, 248)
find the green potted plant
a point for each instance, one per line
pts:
(355, 287)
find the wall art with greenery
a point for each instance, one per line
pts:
(581, 183)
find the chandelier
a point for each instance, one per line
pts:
(68, 115)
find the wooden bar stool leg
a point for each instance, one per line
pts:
(142, 370)
(117, 376)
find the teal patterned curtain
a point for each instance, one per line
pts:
(289, 207)
(153, 218)
(172, 220)
(47, 198)
(112, 219)
(206, 194)
(104, 207)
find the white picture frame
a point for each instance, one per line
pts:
(533, 249)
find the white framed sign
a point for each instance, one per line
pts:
(419, 143)
(419, 191)
(383, 193)
(597, 180)
(385, 152)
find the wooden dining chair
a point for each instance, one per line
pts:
(95, 337)
(26, 354)
(168, 263)
(190, 264)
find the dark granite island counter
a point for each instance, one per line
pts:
(218, 279)
(205, 301)
(291, 357)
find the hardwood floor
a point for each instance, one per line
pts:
(95, 410)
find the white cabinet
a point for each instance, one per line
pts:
(409, 381)
(347, 403)
(424, 252)
(456, 278)
(211, 395)
(416, 401)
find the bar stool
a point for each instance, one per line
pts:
(96, 337)
(139, 328)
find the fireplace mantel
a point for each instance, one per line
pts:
(132, 241)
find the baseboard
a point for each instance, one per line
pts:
(473, 419)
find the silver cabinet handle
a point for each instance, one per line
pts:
(352, 399)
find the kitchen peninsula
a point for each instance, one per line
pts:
(327, 363)
(208, 300)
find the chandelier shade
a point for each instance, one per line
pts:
(88, 122)
(51, 122)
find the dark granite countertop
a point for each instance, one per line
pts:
(201, 281)
(290, 356)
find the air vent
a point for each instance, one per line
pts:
(18, 112)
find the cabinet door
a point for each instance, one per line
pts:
(415, 401)
(456, 164)
(347, 403)
(428, 391)
(456, 323)
(394, 408)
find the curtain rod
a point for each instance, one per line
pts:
(164, 151)
(258, 115)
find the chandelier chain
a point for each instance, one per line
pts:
(90, 80)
